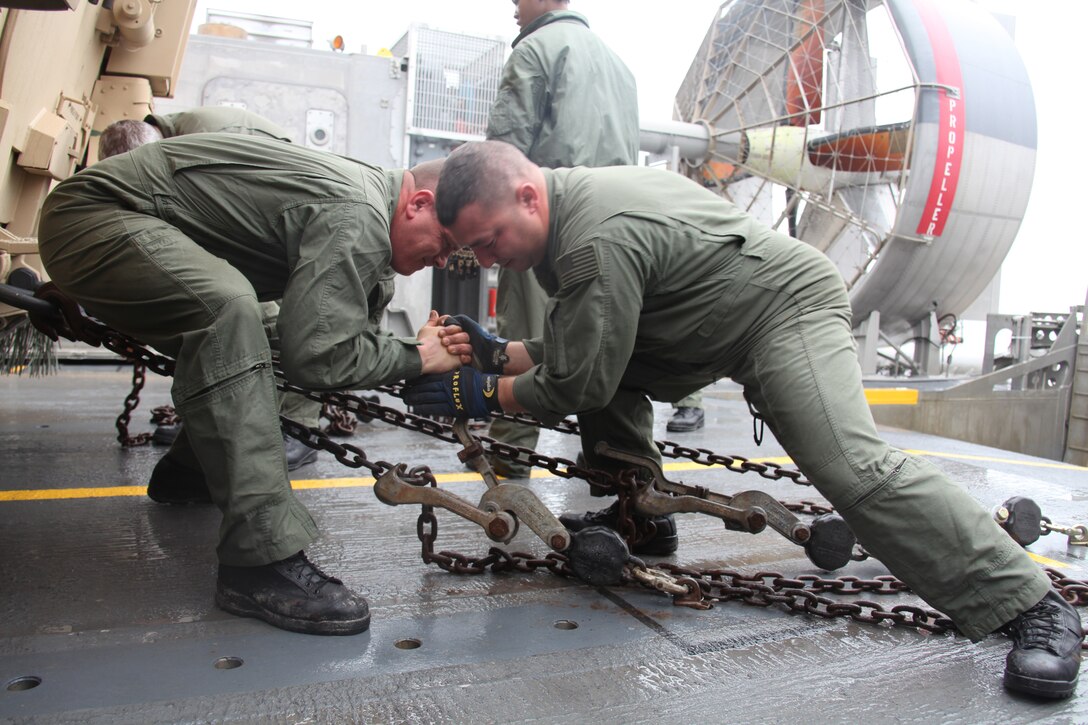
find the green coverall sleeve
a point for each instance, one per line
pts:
(518, 111)
(589, 336)
(535, 349)
(326, 338)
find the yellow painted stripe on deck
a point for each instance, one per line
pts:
(303, 484)
(363, 482)
(1050, 562)
(891, 396)
(1010, 461)
(54, 493)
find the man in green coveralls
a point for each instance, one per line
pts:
(565, 99)
(176, 243)
(659, 286)
(169, 483)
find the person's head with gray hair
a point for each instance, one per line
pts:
(122, 136)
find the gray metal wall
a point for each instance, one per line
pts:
(346, 104)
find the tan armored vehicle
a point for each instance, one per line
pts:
(69, 68)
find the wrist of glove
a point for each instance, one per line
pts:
(488, 351)
(462, 393)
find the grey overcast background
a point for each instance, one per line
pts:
(1047, 268)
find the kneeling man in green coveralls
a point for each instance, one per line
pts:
(176, 243)
(658, 287)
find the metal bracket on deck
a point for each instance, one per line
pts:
(391, 489)
(828, 541)
(500, 509)
(749, 511)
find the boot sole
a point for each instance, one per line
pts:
(243, 606)
(1052, 689)
(685, 429)
(181, 501)
(656, 547)
(175, 500)
(661, 546)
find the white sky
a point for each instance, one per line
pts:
(1047, 268)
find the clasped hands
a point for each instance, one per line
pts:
(461, 367)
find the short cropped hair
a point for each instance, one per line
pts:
(122, 136)
(426, 174)
(478, 171)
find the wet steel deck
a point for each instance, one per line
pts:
(106, 597)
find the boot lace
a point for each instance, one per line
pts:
(308, 576)
(604, 517)
(1037, 627)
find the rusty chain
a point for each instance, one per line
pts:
(161, 415)
(341, 423)
(131, 401)
(668, 449)
(801, 594)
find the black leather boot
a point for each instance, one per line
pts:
(173, 483)
(685, 420)
(661, 542)
(292, 594)
(165, 434)
(298, 453)
(1045, 654)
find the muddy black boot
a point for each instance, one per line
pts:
(292, 594)
(1045, 654)
(663, 541)
(173, 483)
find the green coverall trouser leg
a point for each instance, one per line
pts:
(520, 316)
(145, 278)
(806, 381)
(799, 368)
(695, 400)
(297, 407)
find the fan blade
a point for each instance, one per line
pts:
(805, 71)
(879, 148)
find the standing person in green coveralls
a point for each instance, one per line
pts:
(658, 286)
(175, 243)
(565, 99)
(123, 136)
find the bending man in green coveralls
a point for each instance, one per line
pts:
(169, 483)
(175, 243)
(659, 286)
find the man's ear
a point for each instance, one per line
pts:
(528, 196)
(420, 201)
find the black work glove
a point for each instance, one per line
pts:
(462, 393)
(488, 351)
